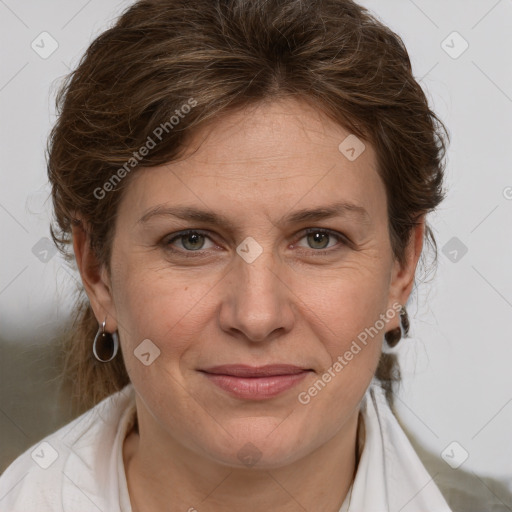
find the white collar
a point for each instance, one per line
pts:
(390, 476)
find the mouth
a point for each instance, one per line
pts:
(256, 383)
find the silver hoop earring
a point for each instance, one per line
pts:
(105, 345)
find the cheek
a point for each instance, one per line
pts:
(344, 314)
(343, 306)
(165, 308)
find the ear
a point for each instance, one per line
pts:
(95, 277)
(402, 278)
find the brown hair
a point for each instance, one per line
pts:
(223, 55)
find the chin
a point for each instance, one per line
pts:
(258, 445)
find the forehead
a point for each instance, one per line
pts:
(265, 157)
(287, 129)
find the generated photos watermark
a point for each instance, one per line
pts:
(343, 360)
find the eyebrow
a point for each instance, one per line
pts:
(338, 209)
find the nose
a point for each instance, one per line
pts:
(257, 303)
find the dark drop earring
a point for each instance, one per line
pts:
(395, 335)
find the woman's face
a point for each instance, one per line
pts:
(252, 287)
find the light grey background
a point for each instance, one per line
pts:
(457, 378)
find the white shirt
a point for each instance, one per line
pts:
(80, 467)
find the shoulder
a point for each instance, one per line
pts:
(423, 478)
(463, 487)
(77, 456)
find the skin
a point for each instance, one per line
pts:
(294, 304)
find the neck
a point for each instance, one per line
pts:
(177, 479)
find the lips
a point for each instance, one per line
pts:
(255, 383)
(240, 370)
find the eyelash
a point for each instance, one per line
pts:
(200, 252)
